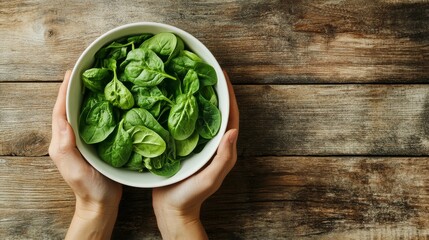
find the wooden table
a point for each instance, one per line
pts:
(334, 102)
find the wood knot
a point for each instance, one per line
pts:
(50, 33)
(329, 30)
(32, 144)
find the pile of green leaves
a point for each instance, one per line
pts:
(149, 103)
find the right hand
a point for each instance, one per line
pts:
(177, 207)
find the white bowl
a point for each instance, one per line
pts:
(74, 100)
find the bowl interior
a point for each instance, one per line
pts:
(75, 96)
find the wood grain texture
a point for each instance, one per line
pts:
(334, 119)
(258, 42)
(25, 118)
(334, 106)
(276, 119)
(278, 198)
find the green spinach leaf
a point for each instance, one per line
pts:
(144, 68)
(96, 122)
(92, 98)
(183, 116)
(116, 92)
(147, 97)
(182, 63)
(167, 45)
(187, 60)
(140, 116)
(95, 79)
(147, 142)
(209, 94)
(135, 163)
(139, 39)
(185, 147)
(117, 148)
(170, 168)
(191, 84)
(209, 120)
(206, 74)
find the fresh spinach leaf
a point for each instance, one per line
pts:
(140, 116)
(144, 68)
(183, 116)
(192, 56)
(202, 142)
(135, 163)
(166, 45)
(116, 92)
(191, 84)
(206, 74)
(185, 147)
(209, 94)
(147, 142)
(187, 60)
(92, 98)
(156, 162)
(209, 120)
(96, 122)
(172, 88)
(182, 63)
(139, 39)
(147, 97)
(95, 79)
(115, 50)
(156, 109)
(117, 148)
(170, 168)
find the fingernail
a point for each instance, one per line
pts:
(233, 136)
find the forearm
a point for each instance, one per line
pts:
(174, 225)
(92, 223)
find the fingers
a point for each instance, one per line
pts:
(234, 115)
(222, 163)
(59, 122)
(226, 155)
(59, 111)
(63, 144)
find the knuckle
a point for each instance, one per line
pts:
(53, 151)
(58, 150)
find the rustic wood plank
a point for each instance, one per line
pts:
(278, 197)
(334, 119)
(25, 117)
(256, 41)
(282, 120)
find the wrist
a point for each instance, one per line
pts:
(178, 224)
(93, 209)
(92, 221)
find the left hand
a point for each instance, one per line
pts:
(95, 194)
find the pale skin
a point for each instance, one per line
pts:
(177, 207)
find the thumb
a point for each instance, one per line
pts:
(63, 144)
(224, 160)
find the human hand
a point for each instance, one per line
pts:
(177, 207)
(97, 197)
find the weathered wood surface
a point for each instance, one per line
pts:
(334, 115)
(256, 41)
(25, 118)
(348, 119)
(278, 197)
